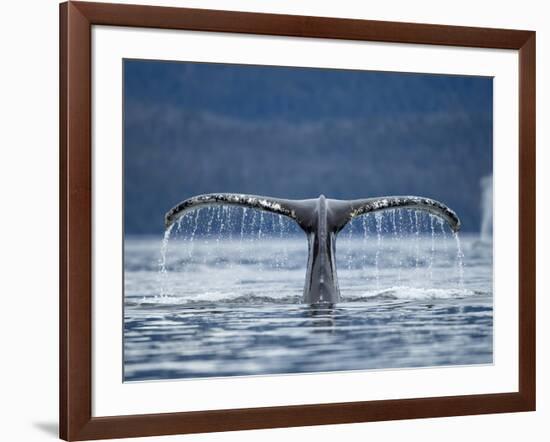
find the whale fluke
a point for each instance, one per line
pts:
(354, 208)
(274, 205)
(321, 219)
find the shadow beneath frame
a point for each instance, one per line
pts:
(51, 428)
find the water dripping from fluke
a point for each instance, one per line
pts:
(432, 248)
(162, 272)
(378, 218)
(321, 219)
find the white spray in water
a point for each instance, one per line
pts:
(486, 228)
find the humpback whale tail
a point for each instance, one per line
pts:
(321, 219)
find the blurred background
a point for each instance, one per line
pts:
(193, 128)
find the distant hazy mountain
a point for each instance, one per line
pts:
(197, 128)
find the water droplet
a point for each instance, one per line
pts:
(378, 219)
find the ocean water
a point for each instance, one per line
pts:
(223, 298)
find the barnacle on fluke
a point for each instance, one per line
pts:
(321, 219)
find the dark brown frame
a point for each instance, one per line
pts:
(76, 421)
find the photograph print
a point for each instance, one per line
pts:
(289, 220)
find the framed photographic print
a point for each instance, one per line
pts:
(274, 220)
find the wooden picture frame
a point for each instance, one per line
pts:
(76, 21)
